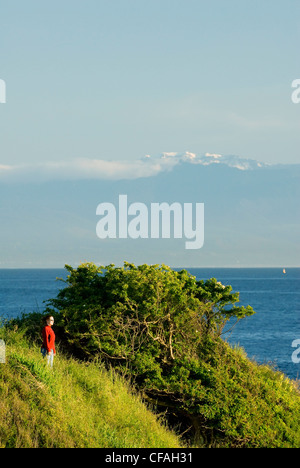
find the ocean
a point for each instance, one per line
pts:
(267, 336)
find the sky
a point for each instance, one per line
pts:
(120, 79)
(112, 89)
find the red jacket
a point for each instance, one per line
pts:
(48, 338)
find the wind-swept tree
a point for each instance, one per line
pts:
(158, 325)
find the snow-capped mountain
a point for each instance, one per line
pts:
(207, 159)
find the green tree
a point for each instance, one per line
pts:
(222, 306)
(162, 327)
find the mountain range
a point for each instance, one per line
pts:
(251, 213)
(208, 159)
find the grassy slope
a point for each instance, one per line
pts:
(250, 405)
(83, 405)
(73, 405)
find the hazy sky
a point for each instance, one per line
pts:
(94, 86)
(119, 79)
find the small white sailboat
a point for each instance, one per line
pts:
(284, 271)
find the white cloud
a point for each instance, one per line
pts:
(101, 169)
(87, 169)
(5, 168)
(168, 155)
(213, 155)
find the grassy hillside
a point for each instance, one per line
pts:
(81, 404)
(73, 405)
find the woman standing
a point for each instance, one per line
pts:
(48, 346)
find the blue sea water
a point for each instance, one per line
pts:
(266, 337)
(24, 290)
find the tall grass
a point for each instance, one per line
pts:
(78, 404)
(73, 405)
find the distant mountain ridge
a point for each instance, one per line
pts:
(118, 170)
(212, 158)
(252, 215)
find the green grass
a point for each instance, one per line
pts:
(78, 404)
(72, 406)
(251, 405)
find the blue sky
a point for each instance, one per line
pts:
(119, 79)
(94, 86)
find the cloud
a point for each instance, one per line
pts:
(4, 168)
(213, 155)
(101, 169)
(86, 169)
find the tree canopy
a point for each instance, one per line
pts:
(161, 327)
